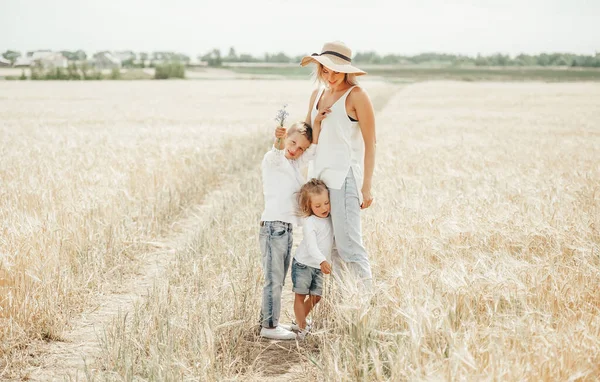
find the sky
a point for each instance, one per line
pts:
(302, 26)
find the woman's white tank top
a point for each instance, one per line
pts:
(341, 146)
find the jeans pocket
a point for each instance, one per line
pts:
(277, 232)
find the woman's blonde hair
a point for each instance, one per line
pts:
(349, 78)
(314, 187)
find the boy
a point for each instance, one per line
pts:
(282, 179)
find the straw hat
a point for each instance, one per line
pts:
(335, 56)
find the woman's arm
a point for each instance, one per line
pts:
(366, 118)
(321, 115)
(316, 131)
(310, 105)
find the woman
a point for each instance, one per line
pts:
(345, 156)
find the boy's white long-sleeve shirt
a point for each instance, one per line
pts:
(282, 179)
(317, 241)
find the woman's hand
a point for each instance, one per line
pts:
(322, 114)
(367, 198)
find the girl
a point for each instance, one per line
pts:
(313, 253)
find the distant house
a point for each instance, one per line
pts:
(46, 59)
(126, 55)
(195, 61)
(4, 62)
(51, 60)
(105, 60)
(23, 62)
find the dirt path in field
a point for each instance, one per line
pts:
(73, 358)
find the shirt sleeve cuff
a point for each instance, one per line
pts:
(276, 149)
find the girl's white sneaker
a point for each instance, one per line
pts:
(302, 333)
(296, 328)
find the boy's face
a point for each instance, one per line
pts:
(295, 145)
(319, 204)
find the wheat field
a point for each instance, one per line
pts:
(484, 236)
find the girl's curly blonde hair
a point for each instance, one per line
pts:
(312, 187)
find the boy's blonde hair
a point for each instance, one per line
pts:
(301, 128)
(349, 78)
(313, 186)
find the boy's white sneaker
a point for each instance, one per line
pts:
(286, 326)
(277, 333)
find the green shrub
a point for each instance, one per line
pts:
(73, 72)
(37, 72)
(169, 70)
(56, 74)
(94, 75)
(85, 71)
(115, 74)
(136, 74)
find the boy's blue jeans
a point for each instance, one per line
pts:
(276, 247)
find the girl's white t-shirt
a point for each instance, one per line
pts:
(317, 241)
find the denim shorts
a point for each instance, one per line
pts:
(306, 280)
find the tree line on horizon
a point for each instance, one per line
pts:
(215, 58)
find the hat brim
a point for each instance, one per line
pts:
(327, 62)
